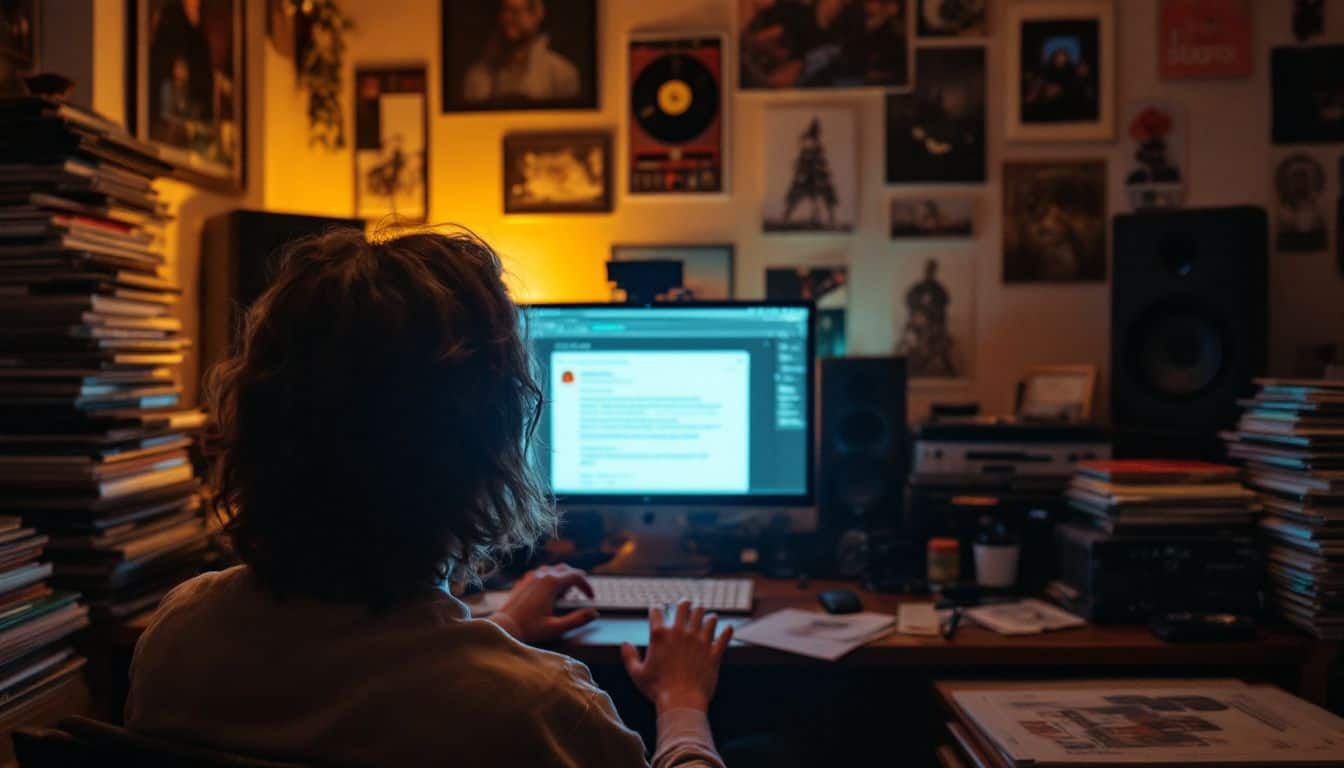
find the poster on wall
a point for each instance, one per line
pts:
(935, 317)
(519, 55)
(1299, 184)
(1308, 86)
(1061, 78)
(931, 218)
(187, 92)
(827, 286)
(19, 21)
(1200, 39)
(811, 170)
(1156, 148)
(391, 143)
(937, 133)
(823, 44)
(564, 172)
(941, 19)
(676, 119)
(1054, 221)
(706, 270)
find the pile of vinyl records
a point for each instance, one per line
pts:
(1155, 537)
(94, 444)
(1291, 440)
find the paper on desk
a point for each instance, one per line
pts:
(1028, 617)
(812, 633)
(921, 619)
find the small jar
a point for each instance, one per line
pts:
(944, 561)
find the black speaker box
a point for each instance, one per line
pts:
(239, 250)
(1189, 326)
(861, 456)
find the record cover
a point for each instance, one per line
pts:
(676, 116)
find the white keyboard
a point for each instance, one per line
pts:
(629, 593)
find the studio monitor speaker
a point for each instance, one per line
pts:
(861, 455)
(239, 251)
(1189, 325)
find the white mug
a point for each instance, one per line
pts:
(996, 565)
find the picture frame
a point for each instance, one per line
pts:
(826, 285)
(958, 20)
(1057, 393)
(1204, 39)
(686, 153)
(934, 315)
(932, 218)
(859, 57)
(1055, 219)
(20, 31)
(708, 269)
(390, 160)
(937, 133)
(1060, 65)
(561, 69)
(811, 169)
(1306, 83)
(187, 88)
(556, 172)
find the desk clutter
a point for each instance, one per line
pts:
(94, 445)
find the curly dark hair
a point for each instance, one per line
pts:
(370, 435)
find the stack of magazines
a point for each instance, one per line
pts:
(1291, 440)
(1158, 497)
(93, 439)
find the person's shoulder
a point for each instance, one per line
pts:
(196, 590)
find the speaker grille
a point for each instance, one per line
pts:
(1178, 350)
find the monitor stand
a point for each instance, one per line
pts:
(653, 547)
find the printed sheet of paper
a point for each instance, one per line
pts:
(819, 635)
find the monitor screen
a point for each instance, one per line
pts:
(678, 403)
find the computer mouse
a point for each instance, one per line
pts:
(840, 601)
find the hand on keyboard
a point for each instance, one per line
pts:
(528, 613)
(680, 669)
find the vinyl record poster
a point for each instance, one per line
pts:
(676, 116)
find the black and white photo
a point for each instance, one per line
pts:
(931, 218)
(811, 174)
(935, 317)
(391, 143)
(519, 55)
(937, 133)
(1299, 184)
(557, 172)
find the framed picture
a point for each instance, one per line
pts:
(676, 119)
(1054, 221)
(519, 55)
(391, 143)
(1058, 393)
(935, 317)
(941, 19)
(19, 33)
(187, 86)
(1204, 39)
(827, 286)
(811, 170)
(823, 44)
(706, 270)
(1299, 184)
(557, 172)
(1308, 85)
(1156, 147)
(937, 133)
(930, 218)
(1061, 70)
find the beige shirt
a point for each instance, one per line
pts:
(226, 665)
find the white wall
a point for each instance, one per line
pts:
(561, 257)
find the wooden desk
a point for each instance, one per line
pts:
(1280, 651)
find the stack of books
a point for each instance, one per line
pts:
(1291, 440)
(93, 439)
(1155, 537)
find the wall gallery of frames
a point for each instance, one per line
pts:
(938, 175)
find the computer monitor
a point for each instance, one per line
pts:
(676, 408)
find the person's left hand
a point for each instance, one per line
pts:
(527, 614)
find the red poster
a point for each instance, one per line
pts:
(1204, 38)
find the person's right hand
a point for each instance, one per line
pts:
(680, 669)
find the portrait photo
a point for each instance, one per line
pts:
(1054, 221)
(189, 86)
(1308, 87)
(391, 143)
(930, 218)
(952, 18)
(1061, 74)
(935, 316)
(706, 270)
(557, 172)
(519, 55)
(811, 171)
(18, 33)
(824, 43)
(1299, 184)
(937, 133)
(827, 286)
